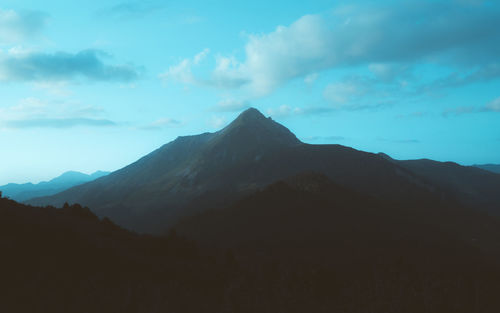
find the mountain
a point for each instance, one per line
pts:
(470, 185)
(302, 244)
(195, 173)
(23, 192)
(495, 168)
(303, 212)
(308, 217)
(68, 260)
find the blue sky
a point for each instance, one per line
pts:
(94, 85)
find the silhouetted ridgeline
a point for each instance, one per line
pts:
(300, 245)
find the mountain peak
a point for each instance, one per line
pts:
(251, 125)
(251, 113)
(250, 116)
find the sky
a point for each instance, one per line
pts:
(94, 85)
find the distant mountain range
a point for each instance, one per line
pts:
(23, 192)
(495, 168)
(194, 173)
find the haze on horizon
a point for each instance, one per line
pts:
(95, 85)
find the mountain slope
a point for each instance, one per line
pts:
(470, 185)
(300, 245)
(308, 218)
(193, 173)
(67, 260)
(495, 168)
(22, 192)
(308, 209)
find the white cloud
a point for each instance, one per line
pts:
(16, 26)
(383, 35)
(274, 58)
(182, 72)
(162, 123)
(200, 56)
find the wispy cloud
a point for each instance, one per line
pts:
(311, 78)
(182, 72)
(492, 106)
(132, 9)
(418, 114)
(57, 123)
(36, 113)
(17, 26)
(324, 139)
(161, 124)
(481, 74)
(63, 66)
(284, 111)
(461, 110)
(401, 141)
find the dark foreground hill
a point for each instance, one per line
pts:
(195, 173)
(301, 245)
(391, 258)
(22, 192)
(309, 206)
(471, 185)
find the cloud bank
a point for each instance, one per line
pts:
(386, 38)
(63, 66)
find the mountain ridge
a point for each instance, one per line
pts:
(495, 168)
(26, 191)
(193, 173)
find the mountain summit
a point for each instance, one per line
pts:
(250, 114)
(252, 127)
(195, 173)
